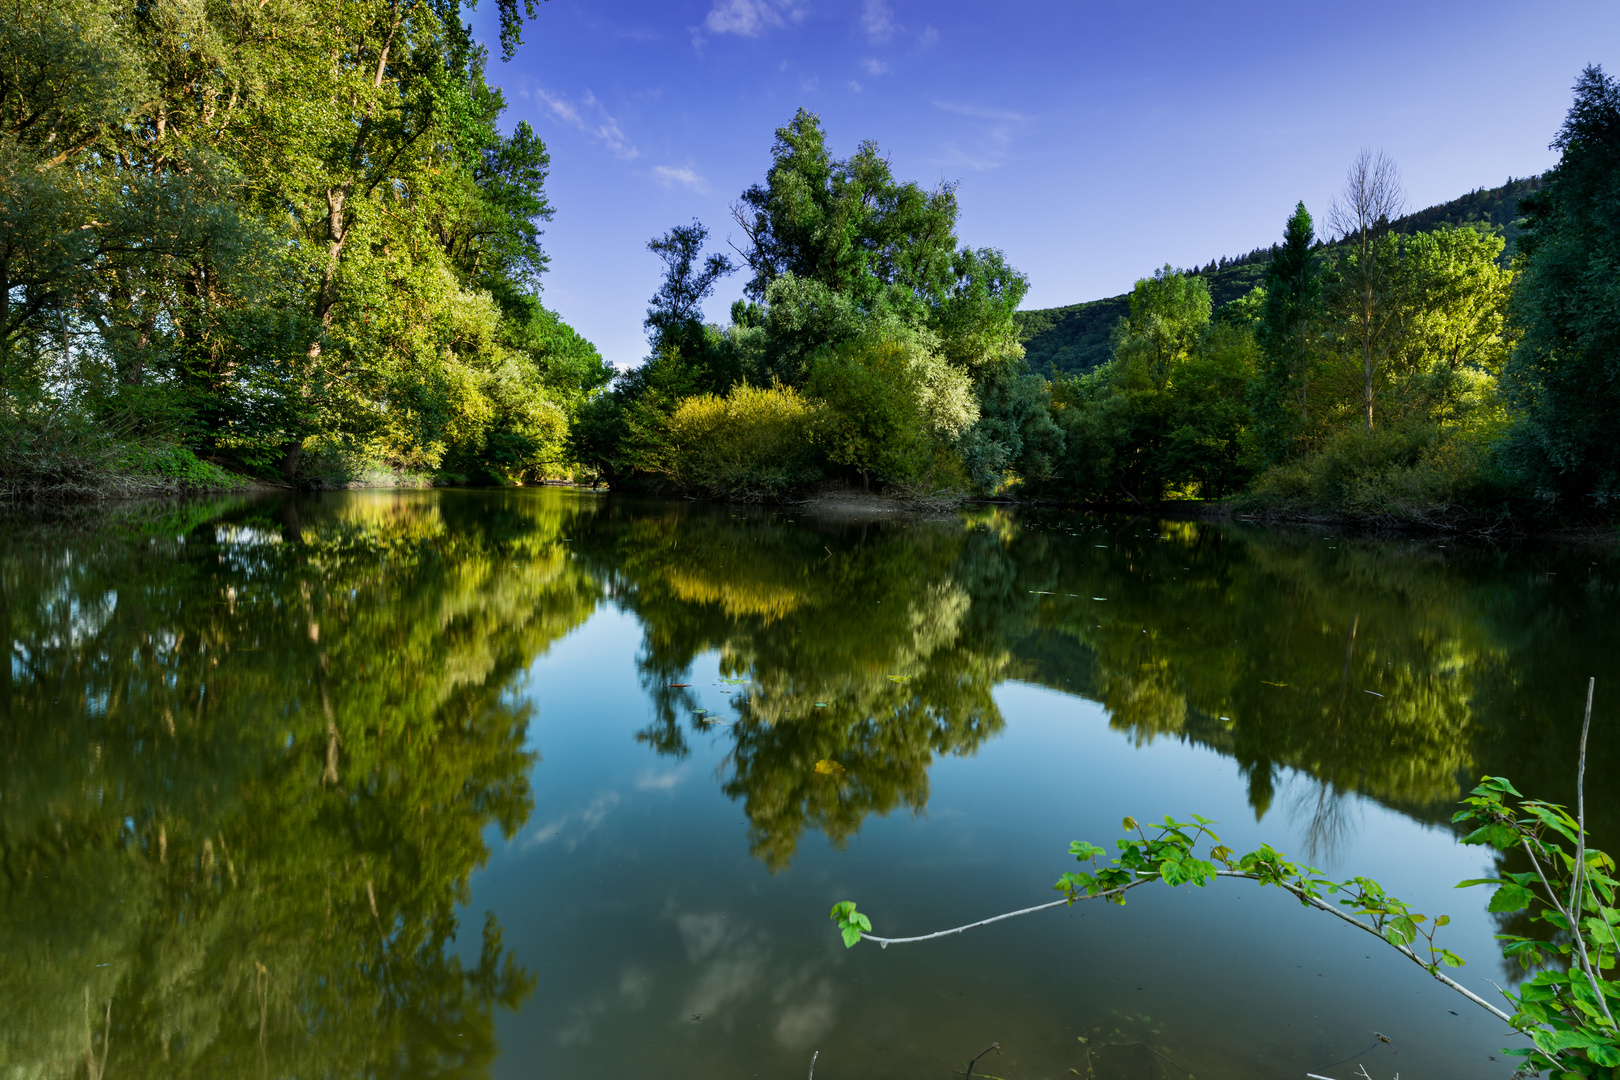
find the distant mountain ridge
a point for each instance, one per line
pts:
(1076, 338)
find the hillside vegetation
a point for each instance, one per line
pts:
(1075, 338)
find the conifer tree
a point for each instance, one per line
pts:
(1565, 371)
(1281, 393)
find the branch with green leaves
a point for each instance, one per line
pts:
(1566, 1009)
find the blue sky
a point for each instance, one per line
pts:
(1092, 140)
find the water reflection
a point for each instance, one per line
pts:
(252, 750)
(1394, 671)
(247, 766)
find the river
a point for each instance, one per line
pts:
(551, 782)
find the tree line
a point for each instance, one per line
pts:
(291, 240)
(1378, 368)
(288, 238)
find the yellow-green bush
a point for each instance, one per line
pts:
(756, 442)
(1410, 472)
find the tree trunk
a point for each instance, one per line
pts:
(1367, 398)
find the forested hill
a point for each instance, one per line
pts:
(1072, 339)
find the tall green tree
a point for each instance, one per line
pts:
(273, 228)
(1564, 373)
(1293, 292)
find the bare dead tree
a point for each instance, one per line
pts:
(1372, 197)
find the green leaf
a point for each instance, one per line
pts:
(851, 937)
(1604, 1054)
(1082, 850)
(1510, 898)
(1500, 837)
(1400, 930)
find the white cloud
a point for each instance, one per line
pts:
(685, 176)
(875, 66)
(878, 20)
(995, 130)
(590, 116)
(751, 18)
(930, 37)
(574, 827)
(658, 781)
(854, 86)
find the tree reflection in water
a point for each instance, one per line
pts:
(1377, 668)
(250, 750)
(249, 756)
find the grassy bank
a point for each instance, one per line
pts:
(58, 453)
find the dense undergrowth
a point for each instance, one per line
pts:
(67, 453)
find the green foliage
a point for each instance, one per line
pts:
(178, 465)
(893, 408)
(1074, 339)
(848, 224)
(1566, 1008)
(296, 226)
(753, 443)
(1564, 375)
(1289, 314)
(860, 297)
(1167, 414)
(851, 923)
(1070, 341)
(1412, 473)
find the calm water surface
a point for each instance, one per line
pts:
(521, 784)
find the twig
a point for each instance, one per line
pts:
(813, 1064)
(993, 1046)
(1404, 950)
(1580, 810)
(1580, 863)
(884, 942)
(1292, 889)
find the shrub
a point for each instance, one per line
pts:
(56, 450)
(1408, 473)
(894, 410)
(755, 442)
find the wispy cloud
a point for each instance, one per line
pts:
(874, 66)
(589, 115)
(981, 112)
(575, 827)
(664, 781)
(683, 175)
(751, 18)
(930, 37)
(877, 19)
(853, 86)
(994, 130)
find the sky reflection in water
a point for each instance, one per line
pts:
(265, 760)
